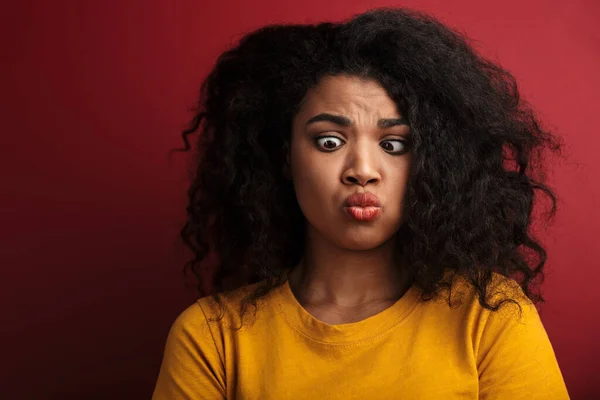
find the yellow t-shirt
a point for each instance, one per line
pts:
(411, 350)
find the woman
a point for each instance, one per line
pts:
(367, 190)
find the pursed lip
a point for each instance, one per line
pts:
(362, 200)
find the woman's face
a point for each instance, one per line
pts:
(349, 137)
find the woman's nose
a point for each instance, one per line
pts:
(362, 166)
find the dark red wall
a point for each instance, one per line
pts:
(95, 93)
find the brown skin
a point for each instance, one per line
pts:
(350, 269)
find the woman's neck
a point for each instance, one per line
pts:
(349, 279)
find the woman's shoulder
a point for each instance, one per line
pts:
(499, 290)
(226, 308)
(511, 313)
(461, 300)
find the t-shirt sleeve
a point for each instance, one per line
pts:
(515, 358)
(192, 366)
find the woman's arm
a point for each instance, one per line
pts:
(192, 367)
(515, 359)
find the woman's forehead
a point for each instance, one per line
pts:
(348, 96)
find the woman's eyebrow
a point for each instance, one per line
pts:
(345, 121)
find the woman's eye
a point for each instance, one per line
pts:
(399, 147)
(331, 143)
(328, 142)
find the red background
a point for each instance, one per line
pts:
(94, 95)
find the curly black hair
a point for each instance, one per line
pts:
(478, 155)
